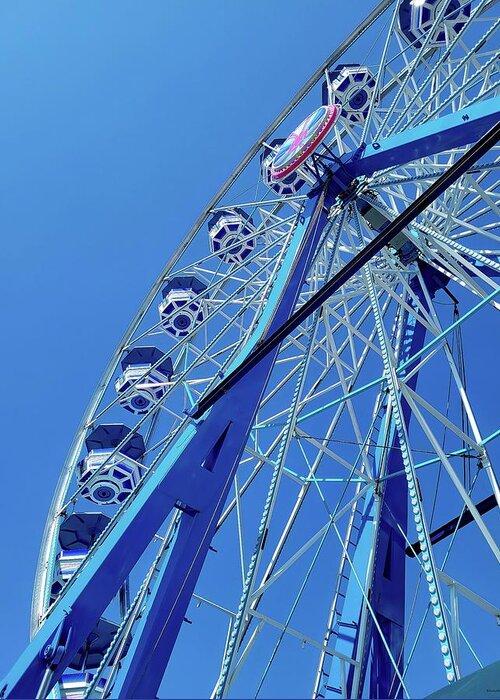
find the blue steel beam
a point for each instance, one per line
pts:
(156, 632)
(195, 476)
(455, 130)
(387, 584)
(457, 523)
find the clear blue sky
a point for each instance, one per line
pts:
(118, 121)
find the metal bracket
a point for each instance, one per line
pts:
(52, 654)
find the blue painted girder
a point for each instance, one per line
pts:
(435, 136)
(156, 632)
(387, 585)
(195, 475)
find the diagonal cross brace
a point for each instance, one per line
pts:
(195, 476)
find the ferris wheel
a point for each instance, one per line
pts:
(284, 484)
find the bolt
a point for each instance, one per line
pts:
(47, 652)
